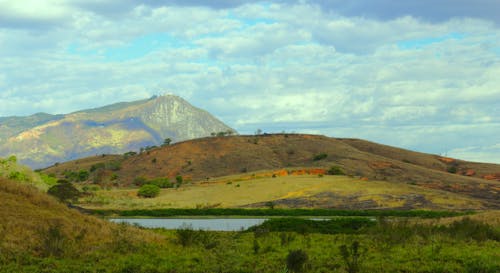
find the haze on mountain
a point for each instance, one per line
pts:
(42, 139)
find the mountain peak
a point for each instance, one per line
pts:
(115, 128)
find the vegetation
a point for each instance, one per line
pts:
(64, 191)
(9, 168)
(277, 212)
(161, 182)
(296, 260)
(335, 170)
(320, 156)
(149, 191)
(284, 190)
(166, 142)
(332, 226)
(197, 251)
(39, 234)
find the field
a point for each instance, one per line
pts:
(466, 246)
(294, 191)
(40, 234)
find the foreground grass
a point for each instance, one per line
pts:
(466, 246)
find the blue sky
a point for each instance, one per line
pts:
(422, 75)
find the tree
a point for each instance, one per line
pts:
(64, 191)
(167, 141)
(149, 191)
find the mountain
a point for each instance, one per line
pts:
(43, 139)
(201, 160)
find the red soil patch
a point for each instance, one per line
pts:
(494, 176)
(446, 159)
(469, 172)
(380, 165)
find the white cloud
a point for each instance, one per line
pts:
(295, 67)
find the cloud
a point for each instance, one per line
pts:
(429, 10)
(32, 14)
(429, 85)
(477, 153)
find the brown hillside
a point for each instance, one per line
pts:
(202, 159)
(34, 222)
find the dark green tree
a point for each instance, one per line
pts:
(167, 141)
(64, 191)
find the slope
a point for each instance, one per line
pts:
(203, 159)
(36, 224)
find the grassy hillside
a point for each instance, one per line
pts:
(291, 191)
(39, 234)
(35, 224)
(203, 159)
(10, 169)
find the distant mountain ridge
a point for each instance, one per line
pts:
(42, 139)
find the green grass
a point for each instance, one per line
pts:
(386, 248)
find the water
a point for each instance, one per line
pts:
(219, 224)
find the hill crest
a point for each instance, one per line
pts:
(205, 158)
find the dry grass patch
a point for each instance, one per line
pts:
(237, 191)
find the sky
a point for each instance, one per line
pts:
(422, 75)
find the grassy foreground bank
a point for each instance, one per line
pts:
(283, 245)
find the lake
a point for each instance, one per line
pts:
(218, 224)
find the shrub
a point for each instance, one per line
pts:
(96, 167)
(186, 235)
(18, 176)
(335, 170)
(53, 241)
(161, 182)
(149, 191)
(296, 260)
(179, 179)
(452, 169)
(351, 257)
(320, 156)
(83, 175)
(114, 165)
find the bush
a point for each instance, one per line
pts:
(96, 167)
(64, 191)
(296, 260)
(352, 256)
(179, 179)
(335, 170)
(53, 241)
(161, 182)
(320, 156)
(149, 191)
(186, 235)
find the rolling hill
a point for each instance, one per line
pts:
(203, 160)
(34, 223)
(42, 139)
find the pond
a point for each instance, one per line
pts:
(218, 224)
